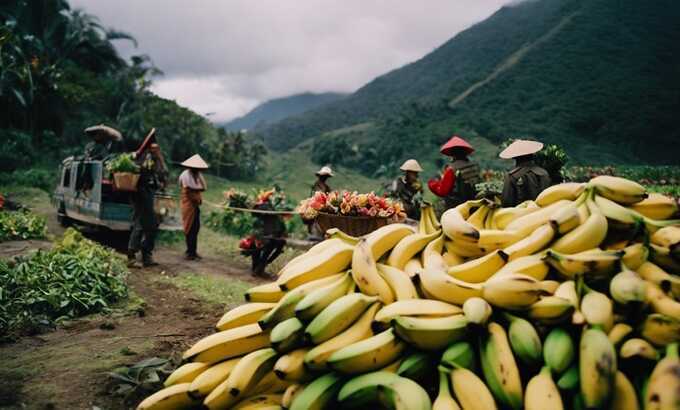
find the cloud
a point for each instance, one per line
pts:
(226, 56)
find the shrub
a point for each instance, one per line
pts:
(21, 225)
(36, 178)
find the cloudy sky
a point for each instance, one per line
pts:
(226, 56)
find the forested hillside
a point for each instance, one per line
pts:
(599, 77)
(280, 108)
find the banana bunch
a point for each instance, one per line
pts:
(568, 301)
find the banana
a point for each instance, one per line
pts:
(392, 367)
(660, 330)
(567, 290)
(323, 264)
(551, 310)
(433, 217)
(566, 219)
(550, 286)
(592, 264)
(285, 308)
(667, 237)
(619, 332)
(243, 315)
(337, 233)
(444, 400)
(477, 218)
(467, 207)
(337, 317)
(654, 274)
(430, 333)
(287, 335)
(499, 367)
(400, 283)
(289, 395)
(496, 238)
(618, 189)
(532, 265)
(662, 303)
(243, 378)
(470, 390)
(267, 293)
(598, 309)
(536, 241)
(526, 224)
(416, 307)
(186, 373)
(656, 206)
(512, 291)
(465, 249)
(451, 259)
(417, 366)
(663, 390)
(455, 226)
(424, 223)
(291, 366)
(413, 267)
(385, 238)
(566, 190)
(206, 382)
(319, 394)
(635, 255)
(364, 390)
(408, 247)
(438, 285)
(558, 350)
(570, 379)
(542, 393)
(318, 299)
(366, 276)
(318, 356)
(477, 310)
(260, 402)
(586, 236)
(404, 394)
(665, 259)
(627, 287)
(597, 368)
(227, 344)
(617, 213)
(459, 355)
(368, 354)
(624, 397)
(334, 240)
(432, 254)
(638, 347)
(480, 269)
(504, 216)
(173, 397)
(269, 384)
(524, 340)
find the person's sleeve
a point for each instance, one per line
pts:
(443, 186)
(508, 196)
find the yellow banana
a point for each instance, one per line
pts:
(337, 317)
(621, 190)
(432, 254)
(477, 218)
(315, 250)
(451, 259)
(477, 311)
(585, 263)
(638, 347)
(512, 291)
(663, 390)
(438, 285)
(290, 393)
(455, 226)
(532, 265)
(464, 248)
(291, 366)
(444, 400)
(243, 315)
(335, 233)
(660, 330)
(471, 391)
(368, 354)
(666, 237)
(500, 368)
(542, 393)
(416, 307)
(267, 293)
(536, 241)
(566, 219)
(619, 332)
(430, 333)
(467, 207)
(654, 274)
(326, 263)
(588, 235)
(624, 396)
(400, 283)
(662, 303)
(480, 269)
(260, 402)
(665, 259)
(627, 287)
(366, 276)
(598, 309)
(504, 216)
(186, 373)
(173, 397)
(413, 267)
(635, 255)
(528, 223)
(496, 238)
(408, 247)
(597, 368)
(318, 299)
(551, 309)
(566, 190)
(206, 382)
(656, 206)
(383, 239)
(227, 344)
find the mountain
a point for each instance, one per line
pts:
(599, 77)
(280, 108)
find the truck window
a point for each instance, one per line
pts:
(84, 180)
(66, 176)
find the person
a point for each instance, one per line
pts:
(458, 180)
(408, 189)
(321, 183)
(526, 180)
(153, 177)
(270, 232)
(192, 184)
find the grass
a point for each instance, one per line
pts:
(222, 291)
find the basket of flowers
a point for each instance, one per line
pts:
(353, 213)
(125, 173)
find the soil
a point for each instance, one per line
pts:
(68, 368)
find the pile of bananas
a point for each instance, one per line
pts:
(569, 301)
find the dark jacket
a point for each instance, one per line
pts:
(407, 193)
(320, 185)
(524, 183)
(467, 176)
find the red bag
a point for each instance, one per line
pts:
(443, 186)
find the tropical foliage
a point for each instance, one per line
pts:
(21, 225)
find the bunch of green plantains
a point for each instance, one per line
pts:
(21, 225)
(568, 301)
(74, 278)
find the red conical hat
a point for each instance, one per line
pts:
(456, 142)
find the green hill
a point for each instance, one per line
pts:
(599, 77)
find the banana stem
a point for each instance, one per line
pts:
(672, 350)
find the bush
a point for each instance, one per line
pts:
(21, 225)
(231, 222)
(74, 278)
(35, 178)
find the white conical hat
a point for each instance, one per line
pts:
(521, 147)
(411, 165)
(195, 162)
(325, 171)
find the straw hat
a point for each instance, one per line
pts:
(103, 132)
(520, 148)
(325, 171)
(195, 162)
(456, 142)
(411, 165)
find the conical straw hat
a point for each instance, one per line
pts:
(411, 165)
(195, 162)
(325, 171)
(520, 148)
(456, 142)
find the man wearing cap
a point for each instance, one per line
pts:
(192, 184)
(457, 183)
(153, 177)
(322, 176)
(526, 180)
(408, 189)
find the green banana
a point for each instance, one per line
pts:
(363, 390)
(319, 394)
(597, 367)
(524, 340)
(417, 366)
(459, 354)
(287, 335)
(338, 316)
(570, 379)
(499, 367)
(558, 350)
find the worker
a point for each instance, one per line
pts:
(270, 232)
(457, 182)
(321, 183)
(408, 189)
(526, 180)
(153, 177)
(192, 184)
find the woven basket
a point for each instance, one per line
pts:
(351, 225)
(125, 181)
